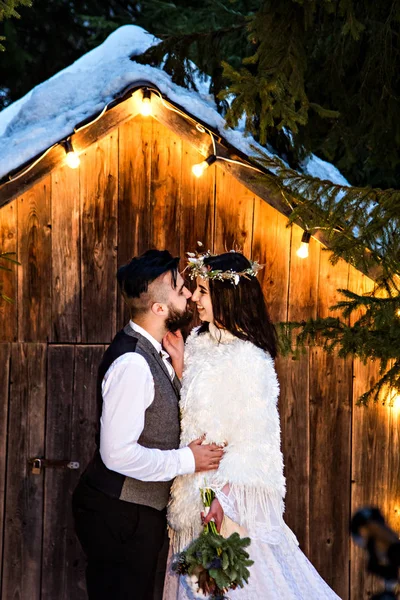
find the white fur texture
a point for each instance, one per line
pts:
(230, 391)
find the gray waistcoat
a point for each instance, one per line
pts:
(161, 427)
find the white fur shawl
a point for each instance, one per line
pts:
(229, 392)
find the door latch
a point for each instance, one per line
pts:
(37, 464)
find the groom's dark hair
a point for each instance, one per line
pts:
(135, 277)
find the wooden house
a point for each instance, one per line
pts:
(71, 228)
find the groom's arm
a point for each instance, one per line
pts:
(128, 390)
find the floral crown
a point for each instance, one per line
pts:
(199, 269)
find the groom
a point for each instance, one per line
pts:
(120, 502)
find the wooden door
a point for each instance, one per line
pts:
(49, 411)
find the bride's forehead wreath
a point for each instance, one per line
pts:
(197, 268)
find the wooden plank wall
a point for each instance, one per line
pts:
(133, 190)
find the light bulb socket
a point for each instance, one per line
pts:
(68, 145)
(146, 94)
(306, 237)
(210, 160)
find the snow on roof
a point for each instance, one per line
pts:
(51, 110)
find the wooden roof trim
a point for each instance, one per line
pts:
(203, 144)
(125, 107)
(248, 177)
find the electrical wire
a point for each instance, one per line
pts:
(41, 157)
(200, 127)
(166, 105)
(29, 167)
(94, 120)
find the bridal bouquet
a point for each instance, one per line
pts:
(212, 564)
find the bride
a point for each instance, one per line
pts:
(229, 395)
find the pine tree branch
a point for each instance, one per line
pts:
(174, 53)
(361, 224)
(8, 10)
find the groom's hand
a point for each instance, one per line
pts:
(207, 457)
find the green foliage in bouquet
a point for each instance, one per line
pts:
(217, 564)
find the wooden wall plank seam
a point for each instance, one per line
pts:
(331, 278)
(134, 156)
(66, 274)
(330, 401)
(286, 313)
(303, 279)
(271, 247)
(293, 376)
(5, 356)
(393, 502)
(83, 429)
(24, 491)
(234, 215)
(166, 188)
(34, 252)
(351, 359)
(197, 207)
(370, 468)
(9, 280)
(99, 196)
(57, 520)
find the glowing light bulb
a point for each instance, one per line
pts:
(145, 108)
(199, 168)
(302, 252)
(395, 402)
(72, 158)
(398, 312)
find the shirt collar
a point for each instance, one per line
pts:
(149, 337)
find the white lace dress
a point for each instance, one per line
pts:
(254, 505)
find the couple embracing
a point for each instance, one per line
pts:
(171, 417)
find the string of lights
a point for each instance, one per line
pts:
(33, 164)
(72, 158)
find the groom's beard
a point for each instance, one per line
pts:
(177, 319)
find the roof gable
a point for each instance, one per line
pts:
(51, 111)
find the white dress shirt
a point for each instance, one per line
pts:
(123, 416)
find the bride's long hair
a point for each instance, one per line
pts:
(241, 308)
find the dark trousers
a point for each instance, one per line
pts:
(123, 543)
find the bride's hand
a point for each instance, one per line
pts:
(216, 512)
(173, 344)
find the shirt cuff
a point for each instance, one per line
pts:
(186, 461)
